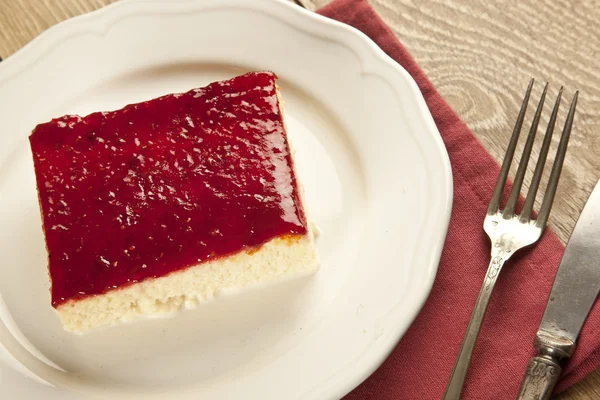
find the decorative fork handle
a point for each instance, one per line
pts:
(459, 372)
(540, 378)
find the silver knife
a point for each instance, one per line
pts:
(575, 289)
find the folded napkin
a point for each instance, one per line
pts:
(420, 366)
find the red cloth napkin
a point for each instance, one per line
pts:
(420, 366)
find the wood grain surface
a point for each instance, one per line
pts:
(480, 55)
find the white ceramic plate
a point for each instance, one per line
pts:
(378, 184)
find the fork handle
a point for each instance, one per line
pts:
(459, 372)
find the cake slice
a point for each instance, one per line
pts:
(161, 204)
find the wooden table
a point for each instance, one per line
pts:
(479, 57)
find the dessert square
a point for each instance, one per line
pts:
(161, 204)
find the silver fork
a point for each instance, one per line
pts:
(507, 230)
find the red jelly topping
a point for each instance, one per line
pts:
(165, 184)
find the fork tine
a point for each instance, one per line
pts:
(509, 210)
(510, 152)
(557, 167)
(539, 168)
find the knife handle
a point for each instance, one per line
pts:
(540, 378)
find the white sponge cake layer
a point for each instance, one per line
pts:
(277, 260)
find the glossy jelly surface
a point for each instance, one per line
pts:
(161, 185)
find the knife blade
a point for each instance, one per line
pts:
(574, 291)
